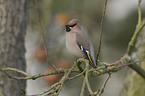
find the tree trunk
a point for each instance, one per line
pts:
(13, 21)
(135, 84)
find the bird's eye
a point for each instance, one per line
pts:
(72, 25)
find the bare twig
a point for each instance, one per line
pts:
(132, 63)
(83, 88)
(104, 85)
(79, 66)
(12, 77)
(87, 83)
(41, 74)
(8, 74)
(101, 27)
(87, 77)
(43, 37)
(60, 83)
(78, 75)
(16, 70)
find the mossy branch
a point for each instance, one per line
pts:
(139, 13)
(113, 67)
(133, 40)
(56, 88)
(138, 29)
(134, 37)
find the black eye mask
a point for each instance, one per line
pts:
(73, 25)
(68, 27)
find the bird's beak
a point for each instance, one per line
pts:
(67, 28)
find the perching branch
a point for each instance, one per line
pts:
(113, 67)
(56, 88)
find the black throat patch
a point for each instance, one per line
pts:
(67, 28)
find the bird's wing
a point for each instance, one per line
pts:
(86, 47)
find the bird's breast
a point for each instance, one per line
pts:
(72, 46)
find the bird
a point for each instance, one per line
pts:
(77, 42)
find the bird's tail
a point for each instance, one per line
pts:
(92, 60)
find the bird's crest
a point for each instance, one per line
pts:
(73, 22)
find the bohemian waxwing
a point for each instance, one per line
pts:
(78, 43)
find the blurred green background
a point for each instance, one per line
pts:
(119, 24)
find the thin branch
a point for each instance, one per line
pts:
(45, 74)
(22, 90)
(79, 66)
(50, 90)
(132, 42)
(104, 85)
(16, 70)
(114, 67)
(101, 27)
(21, 87)
(120, 63)
(78, 75)
(138, 70)
(138, 29)
(7, 74)
(132, 63)
(139, 13)
(60, 83)
(87, 83)
(87, 77)
(83, 88)
(43, 37)
(134, 38)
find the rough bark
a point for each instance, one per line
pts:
(135, 84)
(13, 21)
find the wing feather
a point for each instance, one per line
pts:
(86, 47)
